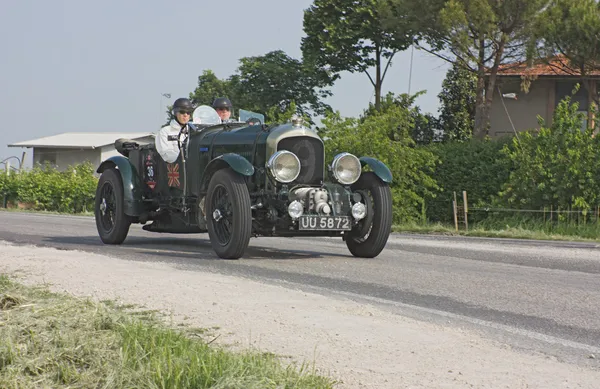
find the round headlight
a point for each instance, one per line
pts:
(346, 168)
(284, 166)
(359, 211)
(295, 209)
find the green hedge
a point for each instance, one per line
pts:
(46, 189)
(556, 167)
(478, 167)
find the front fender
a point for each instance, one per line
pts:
(132, 187)
(378, 167)
(236, 162)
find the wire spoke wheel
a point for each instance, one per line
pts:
(368, 238)
(222, 215)
(107, 207)
(228, 213)
(111, 221)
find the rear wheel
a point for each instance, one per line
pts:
(228, 214)
(111, 221)
(368, 238)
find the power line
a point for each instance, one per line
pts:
(412, 51)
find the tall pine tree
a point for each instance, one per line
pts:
(457, 104)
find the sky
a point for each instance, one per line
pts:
(102, 66)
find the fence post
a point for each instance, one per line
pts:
(544, 216)
(466, 209)
(455, 212)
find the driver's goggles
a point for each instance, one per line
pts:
(184, 112)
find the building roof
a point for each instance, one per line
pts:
(80, 140)
(555, 66)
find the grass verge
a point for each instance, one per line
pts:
(50, 340)
(86, 213)
(510, 228)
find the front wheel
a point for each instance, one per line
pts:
(369, 237)
(228, 214)
(111, 221)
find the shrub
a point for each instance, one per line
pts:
(386, 136)
(8, 187)
(478, 167)
(559, 167)
(48, 189)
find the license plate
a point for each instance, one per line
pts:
(325, 223)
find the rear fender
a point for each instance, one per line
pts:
(378, 167)
(132, 187)
(236, 162)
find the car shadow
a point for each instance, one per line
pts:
(175, 247)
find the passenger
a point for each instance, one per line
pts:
(223, 107)
(169, 149)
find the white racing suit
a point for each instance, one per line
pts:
(168, 149)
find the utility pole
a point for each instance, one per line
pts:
(412, 50)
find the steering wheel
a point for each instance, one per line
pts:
(252, 121)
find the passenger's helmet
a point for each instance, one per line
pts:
(182, 104)
(222, 102)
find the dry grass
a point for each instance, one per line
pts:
(50, 340)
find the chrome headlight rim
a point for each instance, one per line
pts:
(334, 171)
(271, 163)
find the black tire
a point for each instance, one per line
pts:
(111, 221)
(369, 237)
(229, 229)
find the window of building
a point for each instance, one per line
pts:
(565, 88)
(47, 157)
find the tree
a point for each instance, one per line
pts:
(421, 127)
(210, 87)
(571, 28)
(344, 35)
(426, 128)
(270, 84)
(457, 104)
(478, 35)
(276, 80)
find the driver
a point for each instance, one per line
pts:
(223, 107)
(169, 149)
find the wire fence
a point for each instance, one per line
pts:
(545, 217)
(547, 214)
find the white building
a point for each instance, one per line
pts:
(71, 148)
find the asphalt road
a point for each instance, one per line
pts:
(532, 295)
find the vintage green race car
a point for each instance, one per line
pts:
(243, 179)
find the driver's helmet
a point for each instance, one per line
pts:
(222, 102)
(182, 104)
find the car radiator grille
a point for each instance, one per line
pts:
(310, 153)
